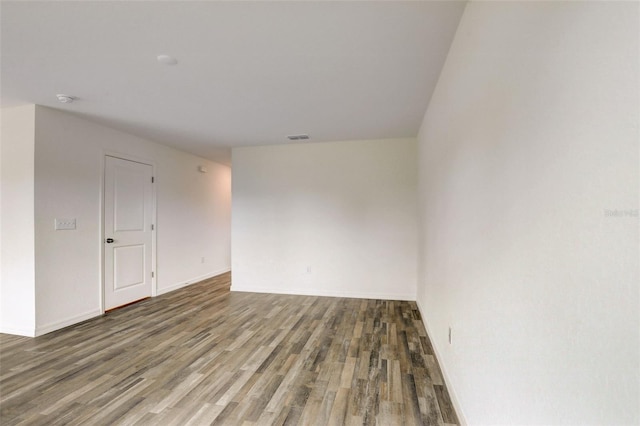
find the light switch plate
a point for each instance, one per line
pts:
(65, 224)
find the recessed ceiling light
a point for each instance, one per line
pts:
(65, 99)
(167, 60)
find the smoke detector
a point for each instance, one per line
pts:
(65, 99)
(167, 60)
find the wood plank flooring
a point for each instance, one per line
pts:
(202, 355)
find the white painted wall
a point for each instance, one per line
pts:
(530, 138)
(193, 215)
(346, 210)
(17, 259)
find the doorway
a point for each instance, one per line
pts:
(129, 212)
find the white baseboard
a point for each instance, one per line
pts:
(191, 281)
(48, 328)
(447, 380)
(17, 331)
(298, 292)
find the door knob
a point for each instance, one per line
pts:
(109, 240)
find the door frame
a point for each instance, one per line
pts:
(103, 161)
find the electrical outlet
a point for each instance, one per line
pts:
(65, 224)
(308, 269)
(202, 260)
(450, 335)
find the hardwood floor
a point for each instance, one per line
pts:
(202, 355)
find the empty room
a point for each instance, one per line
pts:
(320, 213)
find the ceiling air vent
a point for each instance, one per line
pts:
(298, 137)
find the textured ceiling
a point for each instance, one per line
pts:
(249, 73)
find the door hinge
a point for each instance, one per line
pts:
(153, 274)
(153, 179)
(153, 227)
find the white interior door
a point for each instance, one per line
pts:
(128, 216)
